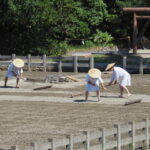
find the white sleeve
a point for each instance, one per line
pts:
(10, 67)
(21, 71)
(17, 71)
(87, 78)
(101, 80)
(114, 76)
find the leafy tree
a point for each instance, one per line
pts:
(102, 38)
(23, 25)
(121, 23)
(48, 26)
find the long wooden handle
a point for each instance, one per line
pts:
(73, 78)
(43, 87)
(77, 94)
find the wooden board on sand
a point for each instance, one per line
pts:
(43, 87)
(76, 94)
(73, 78)
(133, 101)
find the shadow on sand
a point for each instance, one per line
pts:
(106, 96)
(7, 87)
(81, 101)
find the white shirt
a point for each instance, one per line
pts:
(12, 71)
(96, 81)
(122, 76)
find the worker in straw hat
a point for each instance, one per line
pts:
(93, 82)
(15, 70)
(121, 76)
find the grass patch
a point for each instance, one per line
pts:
(108, 59)
(118, 59)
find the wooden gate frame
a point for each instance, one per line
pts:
(135, 23)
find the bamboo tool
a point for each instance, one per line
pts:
(43, 87)
(77, 94)
(73, 78)
(130, 101)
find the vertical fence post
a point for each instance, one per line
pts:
(29, 62)
(147, 132)
(141, 66)
(44, 62)
(125, 62)
(75, 63)
(71, 142)
(52, 144)
(118, 137)
(34, 145)
(87, 140)
(70, 146)
(13, 56)
(100, 139)
(60, 64)
(14, 148)
(91, 62)
(133, 134)
(103, 139)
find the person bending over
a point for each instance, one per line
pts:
(121, 76)
(14, 70)
(93, 82)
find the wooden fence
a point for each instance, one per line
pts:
(131, 136)
(75, 62)
(139, 64)
(58, 62)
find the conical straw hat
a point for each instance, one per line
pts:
(19, 63)
(109, 66)
(94, 73)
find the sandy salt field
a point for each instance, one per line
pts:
(30, 116)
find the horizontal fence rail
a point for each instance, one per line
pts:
(75, 62)
(132, 136)
(136, 64)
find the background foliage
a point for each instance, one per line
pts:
(50, 26)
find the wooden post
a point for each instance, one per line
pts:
(75, 63)
(29, 62)
(141, 66)
(135, 31)
(71, 142)
(87, 140)
(118, 137)
(44, 62)
(14, 148)
(125, 62)
(130, 135)
(100, 139)
(52, 144)
(103, 139)
(147, 133)
(70, 145)
(34, 145)
(133, 134)
(13, 56)
(60, 64)
(91, 62)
